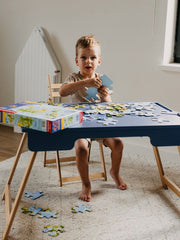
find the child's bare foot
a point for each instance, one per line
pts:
(85, 194)
(118, 181)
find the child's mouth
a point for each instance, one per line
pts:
(88, 67)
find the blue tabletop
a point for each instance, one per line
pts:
(153, 120)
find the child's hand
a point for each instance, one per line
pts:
(94, 82)
(104, 94)
(103, 91)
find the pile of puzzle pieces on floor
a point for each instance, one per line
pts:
(52, 231)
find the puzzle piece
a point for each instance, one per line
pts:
(92, 92)
(25, 210)
(31, 210)
(106, 81)
(42, 212)
(53, 231)
(47, 214)
(59, 228)
(81, 208)
(47, 228)
(33, 195)
(34, 210)
(74, 106)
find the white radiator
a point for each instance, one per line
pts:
(36, 61)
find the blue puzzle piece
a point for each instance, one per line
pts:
(106, 81)
(92, 93)
(34, 195)
(47, 229)
(53, 230)
(47, 214)
(81, 208)
(34, 210)
(53, 234)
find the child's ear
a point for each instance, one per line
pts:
(76, 61)
(99, 62)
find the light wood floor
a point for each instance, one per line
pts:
(9, 142)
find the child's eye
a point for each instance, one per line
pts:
(83, 57)
(92, 58)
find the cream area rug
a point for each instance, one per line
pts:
(145, 211)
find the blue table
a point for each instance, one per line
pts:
(161, 133)
(166, 133)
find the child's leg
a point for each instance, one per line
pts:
(116, 146)
(82, 152)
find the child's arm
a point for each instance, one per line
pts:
(105, 94)
(70, 88)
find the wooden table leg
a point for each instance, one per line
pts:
(12, 211)
(166, 182)
(58, 168)
(103, 161)
(179, 149)
(160, 166)
(18, 154)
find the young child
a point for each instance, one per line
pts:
(88, 58)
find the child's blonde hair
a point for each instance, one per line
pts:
(87, 42)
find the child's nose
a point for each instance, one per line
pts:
(88, 60)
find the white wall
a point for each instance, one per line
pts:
(131, 33)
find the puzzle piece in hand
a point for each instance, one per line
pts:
(81, 208)
(47, 214)
(106, 81)
(34, 195)
(92, 92)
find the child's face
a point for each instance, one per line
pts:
(88, 59)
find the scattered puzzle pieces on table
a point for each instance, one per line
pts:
(107, 113)
(75, 106)
(81, 208)
(53, 231)
(34, 195)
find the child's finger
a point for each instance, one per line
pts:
(98, 82)
(103, 90)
